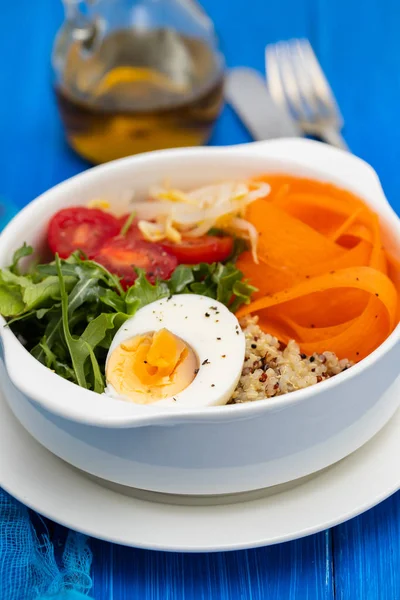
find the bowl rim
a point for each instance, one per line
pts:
(151, 414)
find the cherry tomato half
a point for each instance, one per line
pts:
(121, 255)
(207, 248)
(80, 228)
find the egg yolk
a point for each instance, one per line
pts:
(151, 367)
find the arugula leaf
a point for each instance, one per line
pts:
(143, 292)
(42, 312)
(85, 290)
(113, 300)
(97, 329)
(52, 362)
(239, 246)
(180, 279)
(203, 270)
(22, 252)
(225, 276)
(242, 291)
(127, 225)
(78, 349)
(218, 281)
(98, 381)
(204, 288)
(75, 266)
(81, 348)
(217, 232)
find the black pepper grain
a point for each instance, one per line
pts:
(223, 355)
(213, 385)
(206, 314)
(312, 358)
(205, 362)
(303, 356)
(218, 339)
(196, 371)
(254, 346)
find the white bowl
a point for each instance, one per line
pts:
(215, 450)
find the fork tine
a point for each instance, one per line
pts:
(304, 82)
(318, 79)
(275, 86)
(289, 79)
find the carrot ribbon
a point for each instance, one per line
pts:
(324, 277)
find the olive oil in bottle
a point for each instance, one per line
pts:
(139, 90)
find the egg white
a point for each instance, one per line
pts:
(213, 333)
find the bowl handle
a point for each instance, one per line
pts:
(338, 165)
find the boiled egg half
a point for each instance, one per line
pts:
(186, 350)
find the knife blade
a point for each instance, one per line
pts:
(247, 93)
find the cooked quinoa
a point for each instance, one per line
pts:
(272, 368)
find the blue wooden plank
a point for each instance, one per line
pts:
(33, 152)
(298, 570)
(367, 554)
(360, 52)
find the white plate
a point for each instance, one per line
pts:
(58, 491)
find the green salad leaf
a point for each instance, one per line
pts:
(67, 312)
(143, 292)
(19, 254)
(11, 300)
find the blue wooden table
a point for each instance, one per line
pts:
(358, 44)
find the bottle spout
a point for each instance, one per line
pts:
(82, 25)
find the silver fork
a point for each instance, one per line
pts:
(297, 83)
